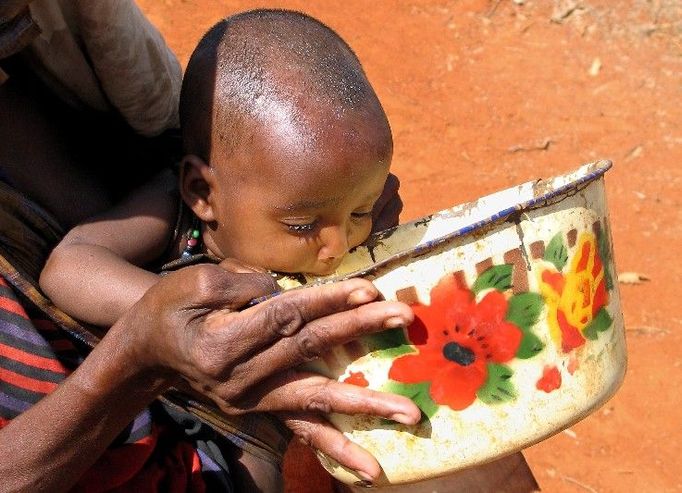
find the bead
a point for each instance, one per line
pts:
(195, 233)
(192, 242)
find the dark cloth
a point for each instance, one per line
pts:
(16, 33)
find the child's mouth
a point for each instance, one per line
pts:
(326, 268)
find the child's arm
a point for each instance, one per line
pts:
(94, 273)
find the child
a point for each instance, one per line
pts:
(287, 149)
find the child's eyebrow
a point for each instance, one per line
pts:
(307, 205)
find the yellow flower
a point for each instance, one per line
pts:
(576, 297)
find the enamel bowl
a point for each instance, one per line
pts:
(518, 329)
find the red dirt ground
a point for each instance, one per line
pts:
(465, 83)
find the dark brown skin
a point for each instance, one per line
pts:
(63, 188)
(389, 206)
(193, 314)
(300, 195)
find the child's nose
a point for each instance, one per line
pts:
(334, 242)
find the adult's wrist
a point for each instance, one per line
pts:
(121, 365)
(54, 442)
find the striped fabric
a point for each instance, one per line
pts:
(159, 450)
(147, 456)
(35, 357)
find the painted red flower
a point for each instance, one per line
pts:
(356, 378)
(550, 380)
(456, 337)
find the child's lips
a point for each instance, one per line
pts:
(327, 268)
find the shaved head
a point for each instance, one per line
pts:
(287, 148)
(272, 68)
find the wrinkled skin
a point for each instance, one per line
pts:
(261, 346)
(188, 327)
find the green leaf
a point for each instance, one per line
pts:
(530, 346)
(498, 387)
(556, 252)
(393, 352)
(496, 277)
(524, 309)
(417, 392)
(605, 256)
(389, 343)
(601, 322)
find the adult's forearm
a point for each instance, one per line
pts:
(50, 446)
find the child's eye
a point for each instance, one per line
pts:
(301, 228)
(360, 215)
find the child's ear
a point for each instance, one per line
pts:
(196, 183)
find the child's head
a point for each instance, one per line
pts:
(287, 145)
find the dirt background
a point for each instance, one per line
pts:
(485, 94)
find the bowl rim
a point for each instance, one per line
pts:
(586, 174)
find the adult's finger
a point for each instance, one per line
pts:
(316, 432)
(287, 313)
(210, 287)
(319, 335)
(219, 344)
(303, 391)
(186, 322)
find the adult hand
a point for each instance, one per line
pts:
(386, 211)
(246, 360)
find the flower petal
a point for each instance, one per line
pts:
(554, 280)
(456, 385)
(416, 368)
(492, 308)
(417, 332)
(585, 253)
(601, 297)
(503, 342)
(597, 266)
(571, 337)
(356, 378)
(460, 313)
(450, 307)
(447, 292)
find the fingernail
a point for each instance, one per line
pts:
(402, 418)
(360, 297)
(394, 323)
(367, 482)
